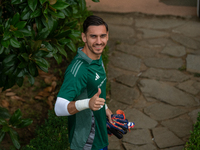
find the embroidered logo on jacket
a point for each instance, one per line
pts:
(97, 77)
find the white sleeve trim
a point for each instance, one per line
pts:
(61, 107)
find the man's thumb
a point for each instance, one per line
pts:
(99, 92)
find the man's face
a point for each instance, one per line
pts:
(95, 39)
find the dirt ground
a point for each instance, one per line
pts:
(34, 101)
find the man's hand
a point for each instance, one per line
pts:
(108, 114)
(95, 102)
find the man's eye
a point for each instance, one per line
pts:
(102, 36)
(92, 36)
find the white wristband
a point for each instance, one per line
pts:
(82, 104)
(106, 106)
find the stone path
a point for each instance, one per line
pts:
(153, 70)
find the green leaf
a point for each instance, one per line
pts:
(20, 25)
(15, 43)
(15, 118)
(26, 15)
(32, 69)
(9, 58)
(25, 56)
(48, 46)
(26, 32)
(14, 138)
(42, 62)
(7, 35)
(5, 43)
(18, 34)
(7, 24)
(17, 1)
(64, 41)
(31, 79)
(1, 28)
(23, 64)
(4, 113)
(2, 135)
(5, 128)
(71, 24)
(9, 71)
(58, 58)
(15, 19)
(36, 13)
(21, 73)
(1, 50)
(19, 81)
(25, 123)
(59, 5)
(43, 34)
(59, 14)
(63, 34)
(67, 11)
(82, 5)
(41, 53)
(3, 121)
(95, 0)
(32, 4)
(61, 50)
(42, 1)
(38, 24)
(71, 46)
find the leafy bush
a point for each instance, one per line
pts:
(32, 30)
(194, 140)
(52, 135)
(8, 123)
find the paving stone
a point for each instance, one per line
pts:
(165, 75)
(160, 111)
(125, 61)
(158, 23)
(123, 93)
(113, 73)
(141, 120)
(190, 86)
(147, 33)
(163, 92)
(194, 114)
(186, 41)
(167, 63)
(129, 80)
(114, 143)
(136, 147)
(170, 139)
(177, 51)
(190, 29)
(180, 126)
(156, 43)
(116, 19)
(120, 32)
(193, 62)
(134, 137)
(136, 50)
(174, 148)
(114, 105)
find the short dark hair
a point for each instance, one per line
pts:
(93, 20)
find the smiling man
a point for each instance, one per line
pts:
(83, 92)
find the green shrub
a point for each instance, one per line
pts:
(194, 140)
(52, 135)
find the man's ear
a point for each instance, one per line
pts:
(83, 35)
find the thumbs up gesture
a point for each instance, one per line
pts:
(95, 102)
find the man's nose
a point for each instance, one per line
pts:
(98, 40)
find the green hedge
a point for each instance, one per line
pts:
(194, 140)
(52, 135)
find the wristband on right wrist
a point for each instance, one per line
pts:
(82, 104)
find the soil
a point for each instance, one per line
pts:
(34, 101)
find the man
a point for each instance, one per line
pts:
(83, 92)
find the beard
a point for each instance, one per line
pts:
(92, 50)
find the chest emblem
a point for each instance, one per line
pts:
(97, 77)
